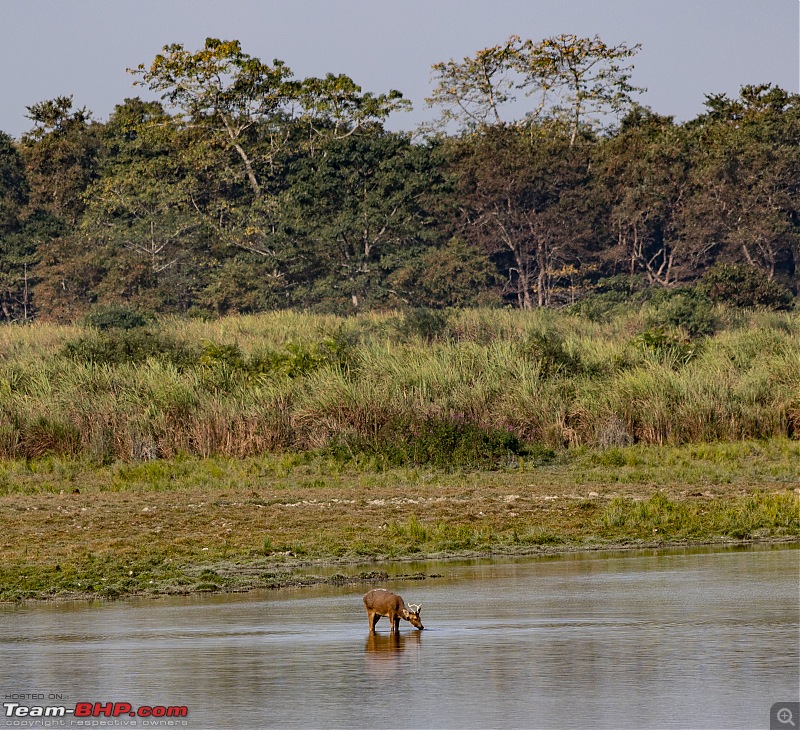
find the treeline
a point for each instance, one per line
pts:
(245, 189)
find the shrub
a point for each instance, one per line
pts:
(623, 284)
(116, 317)
(298, 360)
(228, 355)
(668, 347)
(443, 442)
(548, 349)
(744, 286)
(427, 324)
(610, 297)
(682, 307)
(117, 346)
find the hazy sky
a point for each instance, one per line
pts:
(52, 48)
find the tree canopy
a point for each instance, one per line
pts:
(245, 188)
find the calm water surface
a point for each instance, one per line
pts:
(688, 639)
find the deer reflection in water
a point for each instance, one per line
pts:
(388, 654)
(394, 643)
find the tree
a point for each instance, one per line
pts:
(335, 105)
(222, 91)
(471, 92)
(746, 181)
(237, 105)
(519, 195)
(16, 253)
(456, 274)
(61, 155)
(588, 77)
(141, 207)
(354, 211)
(744, 286)
(241, 102)
(573, 78)
(643, 177)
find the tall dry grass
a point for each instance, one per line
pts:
(294, 381)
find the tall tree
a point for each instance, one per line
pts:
(236, 103)
(745, 207)
(224, 92)
(473, 91)
(519, 196)
(335, 106)
(643, 176)
(141, 207)
(569, 77)
(243, 103)
(587, 76)
(61, 155)
(16, 252)
(357, 210)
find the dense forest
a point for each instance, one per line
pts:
(245, 189)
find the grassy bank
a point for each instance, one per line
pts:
(465, 388)
(188, 455)
(72, 529)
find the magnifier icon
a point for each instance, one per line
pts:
(785, 716)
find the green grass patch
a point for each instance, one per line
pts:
(758, 515)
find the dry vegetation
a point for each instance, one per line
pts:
(244, 386)
(248, 447)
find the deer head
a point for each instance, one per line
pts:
(412, 611)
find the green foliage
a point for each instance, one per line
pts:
(246, 190)
(660, 517)
(457, 274)
(669, 347)
(601, 306)
(516, 190)
(50, 435)
(225, 355)
(354, 213)
(585, 75)
(17, 252)
(423, 323)
(117, 346)
(103, 576)
(687, 308)
(549, 350)
(414, 536)
(284, 381)
(296, 360)
(116, 317)
(744, 286)
(61, 154)
(610, 297)
(448, 443)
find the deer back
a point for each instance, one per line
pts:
(384, 602)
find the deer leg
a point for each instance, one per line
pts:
(373, 620)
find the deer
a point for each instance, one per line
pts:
(380, 602)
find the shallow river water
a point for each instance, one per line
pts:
(684, 639)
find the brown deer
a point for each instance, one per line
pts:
(380, 602)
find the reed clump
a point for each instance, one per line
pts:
(463, 388)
